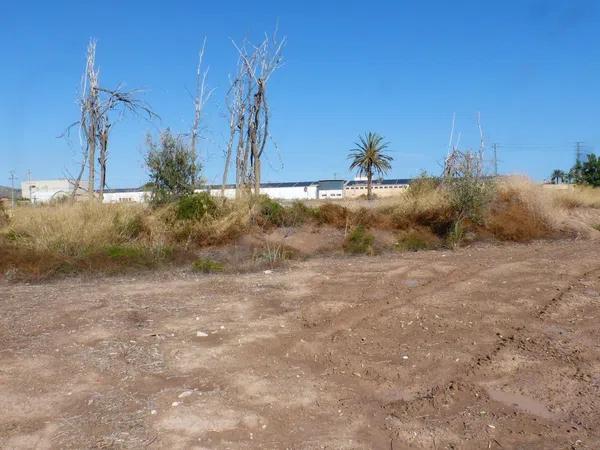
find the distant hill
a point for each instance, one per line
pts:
(6, 192)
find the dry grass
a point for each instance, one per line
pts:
(521, 211)
(71, 238)
(76, 229)
(578, 197)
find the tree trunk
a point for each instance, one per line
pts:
(91, 160)
(257, 176)
(102, 161)
(227, 160)
(369, 184)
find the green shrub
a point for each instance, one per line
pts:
(298, 213)
(205, 265)
(423, 185)
(195, 206)
(470, 197)
(123, 252)
(127, 254)
(596, 227)
(456, 234)
(417, 239)
(271, 211)
(359, 241)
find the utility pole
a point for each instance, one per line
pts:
(495, 147)
(578, 146)
(12, 188)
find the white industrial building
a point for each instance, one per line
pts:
(300, 190)
(41, 191)
(126, 196)
(380, 188)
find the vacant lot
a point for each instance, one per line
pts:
(486, 347)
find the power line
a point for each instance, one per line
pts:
(578, 145)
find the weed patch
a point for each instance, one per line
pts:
(195, 207)
(359, 241)
(417, 239)
(205, 265)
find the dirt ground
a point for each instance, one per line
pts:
(484, 347)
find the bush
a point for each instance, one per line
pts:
(515, 217)
(422, 185)
(130, 255)
(271, 212)
(359, 241)
(195, 206)
(3, 215)
(298, 213)
(172, 166)
(417, 239)
(205, 265)
(469, 197)
(332, 214)
(430, 209)
(273, 254)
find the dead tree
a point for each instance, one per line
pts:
(97, 107)
(257, 65)
(89, 117)
(467, 163)
(202, 96)
(235, 109)
(113, 105)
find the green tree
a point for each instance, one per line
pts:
(557, 177)
(172, 167)
(588, 172)
(368, 157)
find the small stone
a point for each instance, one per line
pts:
(185, 394)
(175, 404)
(405, 357)
(153, 412)
(201, 334)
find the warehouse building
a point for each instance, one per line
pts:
(381, 188)
(41, 191)
(301, 190)
(126, 196)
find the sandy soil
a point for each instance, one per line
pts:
(486, 347)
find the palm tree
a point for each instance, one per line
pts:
(369, 157)
(557, 177)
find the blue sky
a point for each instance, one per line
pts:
(400, 68)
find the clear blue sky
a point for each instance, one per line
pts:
(400, 68)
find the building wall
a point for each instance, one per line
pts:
(41, 191)
(331, 194)
(126, 197)
(281, 193)
(356, 190)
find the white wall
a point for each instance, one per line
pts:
(332, 193)
(40, 191)
(125, 197)
(283, 193)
